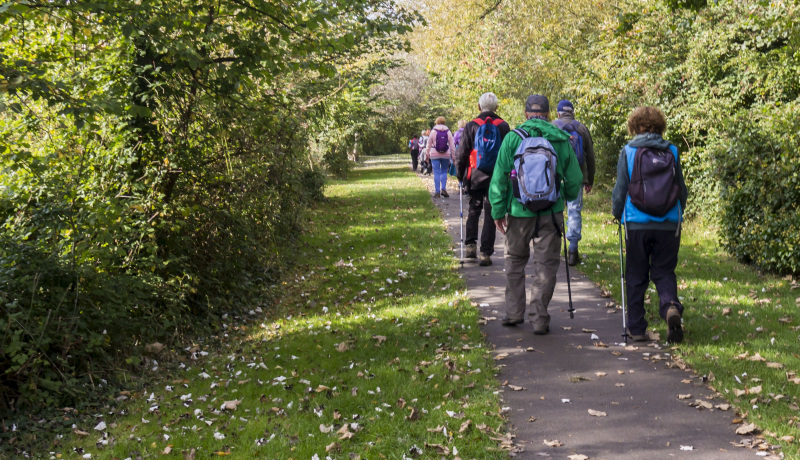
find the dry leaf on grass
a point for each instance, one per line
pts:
(230, 405)
(440, 449)
(746, 429)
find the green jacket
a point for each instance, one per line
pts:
(500, 194)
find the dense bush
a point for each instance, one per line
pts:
(156, 163)
(761, 189)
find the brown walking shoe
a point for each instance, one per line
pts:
(674, 325)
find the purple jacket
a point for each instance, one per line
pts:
(457, 136)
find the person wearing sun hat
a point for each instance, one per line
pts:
(566, 120)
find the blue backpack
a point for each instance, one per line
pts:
(536, 184)
(486, 145)
(575, 139)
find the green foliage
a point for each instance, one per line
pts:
(156, 166)
(761, 189)
(724, 73)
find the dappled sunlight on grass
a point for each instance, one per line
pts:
(372, 350)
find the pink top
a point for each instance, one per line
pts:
(431, 147)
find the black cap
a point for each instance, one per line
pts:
(537, 103)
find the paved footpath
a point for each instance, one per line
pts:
(582, 366)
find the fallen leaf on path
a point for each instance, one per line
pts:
(531, 419)
(600, 374)
(723, 406)
(588, 331)
(501, 356)
(566, 328)
(619, 384)
(578, 457)
(686, 396)
(517, 388)
(597, 413)
(553, 443)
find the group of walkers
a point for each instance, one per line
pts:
(522, 180)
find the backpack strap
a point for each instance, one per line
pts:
(479, 121)
(521, 133)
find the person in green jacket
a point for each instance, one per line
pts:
(521, 226)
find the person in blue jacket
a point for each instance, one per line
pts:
(652, 241)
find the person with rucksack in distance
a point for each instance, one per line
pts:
(536, 172)
(423, 152)
(413, 144)
(648, 199)
(439, 151)
(475, 160)
(582, 144)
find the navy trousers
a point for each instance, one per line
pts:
(651, 255)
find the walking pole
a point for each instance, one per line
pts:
(461, 212)
(622, 284)
(566, 265)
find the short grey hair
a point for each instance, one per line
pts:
(488, 102)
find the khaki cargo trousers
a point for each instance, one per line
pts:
(546, 239)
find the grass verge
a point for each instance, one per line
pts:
(741, 326)
(373, 352)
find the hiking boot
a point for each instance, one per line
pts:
(486, 260)
(445, 194)
(506, 321)
(437, 195)
(573, 258)
(639, 337)
(674, 326)
(472, 251)
(541, 330)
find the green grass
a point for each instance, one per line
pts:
(730, 310)
(373, 333)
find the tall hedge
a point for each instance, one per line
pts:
(155, 166)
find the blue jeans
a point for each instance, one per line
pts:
(440, 168)
(574, 221)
